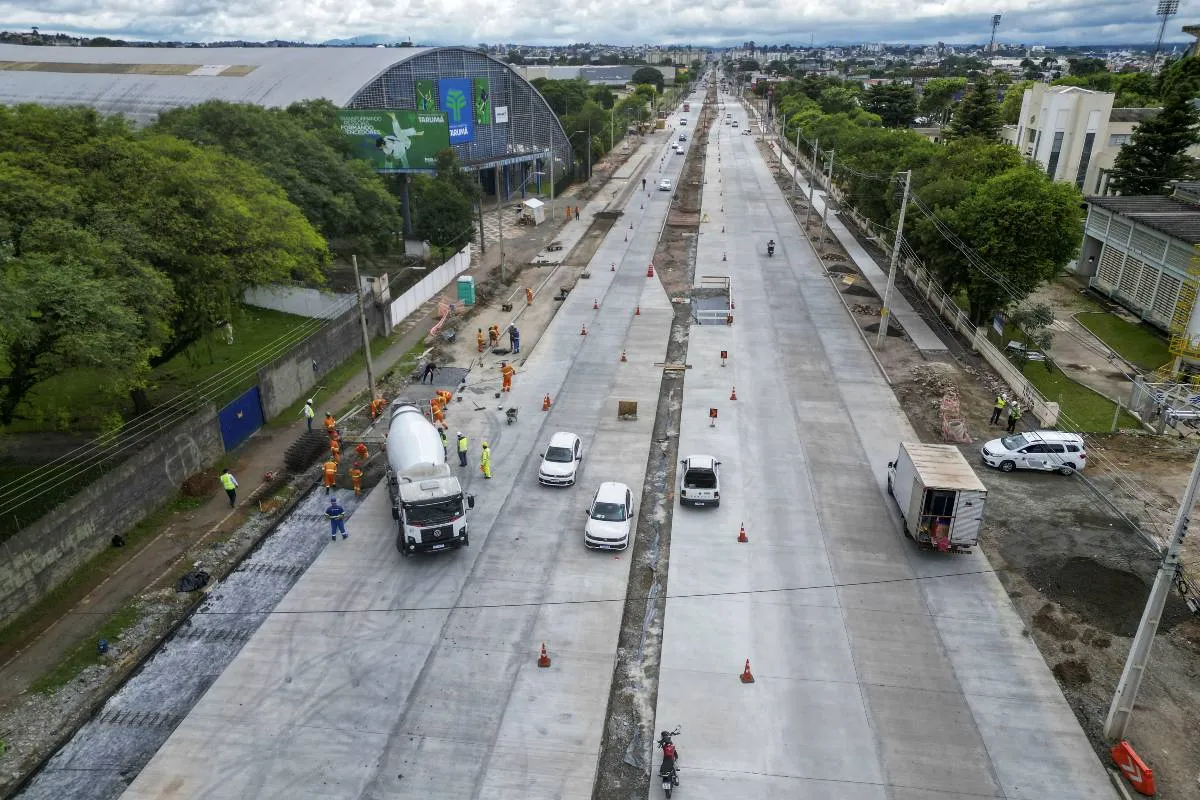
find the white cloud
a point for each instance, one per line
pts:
(704, 22)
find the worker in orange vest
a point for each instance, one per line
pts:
(356, 478)
(439, 414)
(494, 336)
(446, 394)
(362, 451)
(335, 451)
(377, 407)
(330, 423)
(528, 296)
(330, 470)
(479, 340)
(506, 372)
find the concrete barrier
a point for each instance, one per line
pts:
(299, 300)
(427, 287)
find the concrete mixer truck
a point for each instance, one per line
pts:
(427, 500)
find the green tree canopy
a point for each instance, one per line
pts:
(937, 97)
(648, 75)
(1156, 154)
(1010, 106)
(978, 114)
(895, 104)
(443, 212)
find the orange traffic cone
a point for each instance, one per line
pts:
(742, 537)
(546, 403)
(544, 661)
(724, 257)
(733, 393)
(583, 331)
(637, 312)
(613, 268)
(595, 305)
(623, 359)
(747, 676)
(650, 271)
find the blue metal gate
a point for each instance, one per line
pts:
(241, 418)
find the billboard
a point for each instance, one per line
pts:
(483, 102)
(454, 95)
(396, 140)
(426, 96)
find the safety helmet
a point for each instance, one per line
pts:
(485, 444)
(459, 434)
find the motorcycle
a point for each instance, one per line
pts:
(771, 248)
(667, 772)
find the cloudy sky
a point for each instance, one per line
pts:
(701, 22)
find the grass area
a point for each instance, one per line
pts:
(63, 597)
(1082, 409)
(1135, 343)
(85, 654)
(77, 399)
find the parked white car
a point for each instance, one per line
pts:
(700, 481)
(1044, 450)
(664, 185)
(561, 460)
(609, 517)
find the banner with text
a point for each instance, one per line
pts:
(483, 102)
(396, 141)
(455, 97)
(426, 96)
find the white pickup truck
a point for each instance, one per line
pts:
(700, 481)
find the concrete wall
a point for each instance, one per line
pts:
(42, 555)
(289, 377)
(428, 286)
(298, 300)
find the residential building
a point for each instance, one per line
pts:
(1142, 253)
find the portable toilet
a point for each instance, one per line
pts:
(466, 290)
(534, 211)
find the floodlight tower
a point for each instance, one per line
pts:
(1166, 10)
(996, 24)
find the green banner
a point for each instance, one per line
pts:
(483, 102)
(396, 141)
(426, 96)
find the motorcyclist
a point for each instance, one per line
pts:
(670, 756)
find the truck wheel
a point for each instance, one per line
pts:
(1007, 466)
(305, 451)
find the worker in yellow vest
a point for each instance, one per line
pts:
(229, 484)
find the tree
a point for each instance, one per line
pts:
(838, 100)
(1156, 154)
(1086, 66)
(978, 114)
(1033, 321)
(442, 215)
(937, 97)
(1182, 75)
(896, 104)
(648, 75)
(1010, 106)
(514, 57)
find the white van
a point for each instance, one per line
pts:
(1044, 450)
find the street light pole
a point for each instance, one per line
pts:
(1119, 713)
(812, 164)
(828, 192)
(500, 225)
(886, 312)
(366, 336)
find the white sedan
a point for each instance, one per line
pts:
(664, 185)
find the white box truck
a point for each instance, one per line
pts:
(428, 502)
(940, 497)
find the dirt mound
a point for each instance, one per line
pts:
(1049, 622)
(861, 291)
(1108, 598)
(894, 328)
(199, 485)
(1072, 673)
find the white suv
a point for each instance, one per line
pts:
(561, 460)
(609, 517)
(1044, 450)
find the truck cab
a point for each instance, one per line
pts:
(700, 481)
(432, 514)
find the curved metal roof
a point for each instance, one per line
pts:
(139, 82)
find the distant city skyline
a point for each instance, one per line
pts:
(625, 23)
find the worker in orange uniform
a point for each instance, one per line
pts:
(377, 407)
(330, 424)
(361, 450)
(528, 296)
(330, 470)
(356, 478)
(479, 340)
(335, 451)
(439, 414)
(506, 372)
(494, 336)
(446, 396)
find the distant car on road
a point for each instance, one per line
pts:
(561, 460)
(609, 517)
(664, 185)
(1044, 450)
(747, 132)
(735, 123)
(683, 137)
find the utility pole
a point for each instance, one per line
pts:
(828, 192)
(812, 181)
(589, 153)
(886, 311)
(500, 225)
(796, 164)
(1121, 710)
(362, 318)
(479, 210)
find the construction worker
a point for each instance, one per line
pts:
(494, 336)
(506, 373)
(337, 519)
(330, 424)
(463, 444)
(229, 484)
(998, 409)
(377, 407)
(356, 474)
(528, 296)
(445, 448)
(428, 372)
(446, 395)
(308, 413)
(335, 450)
(1014, 416)
(330, 471)
(479, 340)
(361, 450)
(485, 461)
(514, 339)
(439, 413)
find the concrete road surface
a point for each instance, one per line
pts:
(881, 672)
(383, 677)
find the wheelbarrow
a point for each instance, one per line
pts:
(511, 415)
